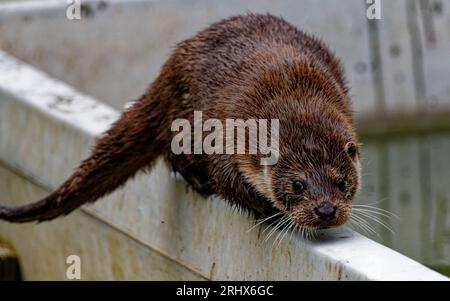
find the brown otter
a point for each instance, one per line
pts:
(245, 67)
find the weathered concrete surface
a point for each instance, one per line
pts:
(203, 235)
(105, 252)
(113, 56)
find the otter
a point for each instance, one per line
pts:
(251, 66)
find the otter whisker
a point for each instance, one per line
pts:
(277, 227)
(302, 232)
(274, 228)
(367, 229)
(353, 224)
(294, 230)
(377, 220)
(371, 205)
(313, 233)
(274, 222)
(259, 222)
(280, 232)
(373, 212)
(370, 216)
(363, 228)
(290, 229)
(363, 224)
(286, 230)
(368, 222)
(310, 233)
(307, 232)
(381, 210)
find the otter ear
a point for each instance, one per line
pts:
(351, 148)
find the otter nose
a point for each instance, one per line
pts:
(326, 211)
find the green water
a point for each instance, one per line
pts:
(410, 177)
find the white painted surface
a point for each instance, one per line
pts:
(203, 235)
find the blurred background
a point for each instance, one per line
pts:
(398, 68)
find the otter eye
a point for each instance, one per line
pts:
(341, 184)
(299, 186)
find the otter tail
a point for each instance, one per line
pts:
(132, 143)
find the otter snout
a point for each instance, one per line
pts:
(326, 211)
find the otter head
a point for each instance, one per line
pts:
(317, 175)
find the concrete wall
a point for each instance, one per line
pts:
(106, 253)
(394, 65)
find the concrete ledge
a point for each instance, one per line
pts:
(105, 253)
(46, 128)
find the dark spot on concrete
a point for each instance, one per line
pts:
(360, 67)
(87, 10)
(289, 256)
(329, 267)
(437, 7)
(26, 18)
(212, 270)
(339, 270)
(61, 100)
(395, 50)
(102, 5)
(64, 99)
(163, 222)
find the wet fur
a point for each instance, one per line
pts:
(252, 66)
